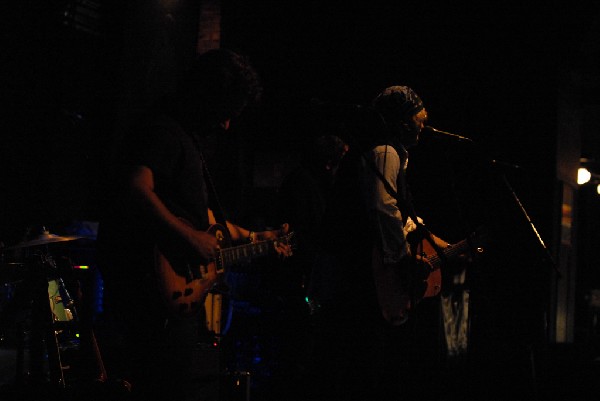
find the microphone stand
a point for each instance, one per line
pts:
(497, 171)
(532, 346)
(547, 255)
(458, 139)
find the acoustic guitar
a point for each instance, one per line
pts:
(185, 282)
(397, 298)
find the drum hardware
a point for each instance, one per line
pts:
(52, 331)
(54, 344)
(43, 338)
(44, 238)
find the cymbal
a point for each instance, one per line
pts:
(43, 239)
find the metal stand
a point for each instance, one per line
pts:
(43, 340)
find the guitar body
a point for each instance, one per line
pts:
(185, 283)
(433, 278)
(398, 291)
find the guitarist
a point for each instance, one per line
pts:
(372, 266)
(161, 198)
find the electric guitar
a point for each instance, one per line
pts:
(185, 282)
(397, 298)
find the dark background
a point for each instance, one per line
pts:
(487, 71)
(491, 71)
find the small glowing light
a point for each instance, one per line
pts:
(81, 267)
(583, 175)
(598, 189)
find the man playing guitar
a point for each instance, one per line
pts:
(380, 260)
(156, 228)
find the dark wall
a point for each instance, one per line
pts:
(487, 71)
(77, 72)
(55, 79)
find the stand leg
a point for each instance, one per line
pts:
(43, 337)
(20, 356)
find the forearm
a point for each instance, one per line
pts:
(386, 219)
(236, 232)
(152, 208)
(146, 202)
(390, 237)
(440, 242)
(241, 234)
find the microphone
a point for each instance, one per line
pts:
(436, 133)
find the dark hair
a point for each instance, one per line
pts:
(327, 148)
(218, 85)
(397, 103)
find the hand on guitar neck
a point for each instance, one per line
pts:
(280, 239)
(206, 246)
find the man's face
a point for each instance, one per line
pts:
(416, 125)
(420, 120)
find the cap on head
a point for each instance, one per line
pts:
(398, 103)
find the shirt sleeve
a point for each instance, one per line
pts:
(159, 150)
(386, 218)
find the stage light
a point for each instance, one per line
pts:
(598, 189)
(583, 175)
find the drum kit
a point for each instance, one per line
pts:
(35, 287)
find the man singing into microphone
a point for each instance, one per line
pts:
(373, 290)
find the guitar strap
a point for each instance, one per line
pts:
(218, 210)
(405, 203)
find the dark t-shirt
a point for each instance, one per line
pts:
(143, 342)
(346, 242)
(126, 237)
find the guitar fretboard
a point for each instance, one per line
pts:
(454, 250)
(244, 253)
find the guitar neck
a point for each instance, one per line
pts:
(243, 253)
(450, 252)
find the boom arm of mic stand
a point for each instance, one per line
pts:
(535, 231)
(497, 163)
